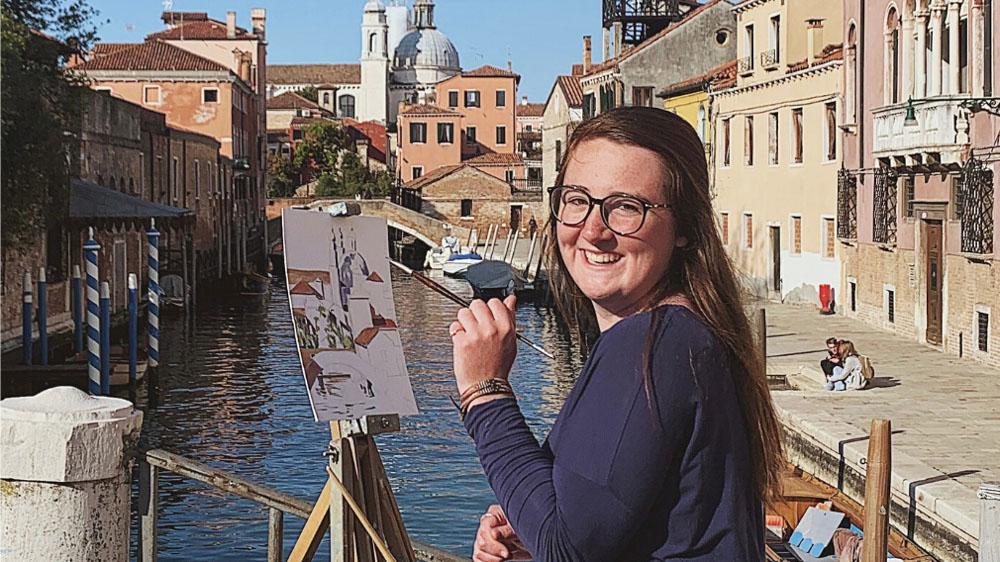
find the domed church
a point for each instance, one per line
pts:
(403, 55)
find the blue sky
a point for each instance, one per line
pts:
(543, 37)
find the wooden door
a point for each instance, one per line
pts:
(934, 277)
(776, 259)
(515, 217)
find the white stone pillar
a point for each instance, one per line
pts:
(937, 30)
(953, 62)
(906, 58)
(850, 69)
(920, 60)
(977, 40)
(989, 522)
(66, 476)
(887, 70)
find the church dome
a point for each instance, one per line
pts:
(426, 48)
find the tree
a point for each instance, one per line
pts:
(310, 93)
(282, 177)
(329, 154)
(40, 107)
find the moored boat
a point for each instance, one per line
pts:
(457, 264)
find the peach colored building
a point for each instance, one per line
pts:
(485, 97)
(429, 137)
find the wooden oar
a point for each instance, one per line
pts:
(444, 291)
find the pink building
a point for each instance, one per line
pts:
(917, 198)
(485, 97)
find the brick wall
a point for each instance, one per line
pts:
(491, 201)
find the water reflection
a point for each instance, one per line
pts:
(230, 394)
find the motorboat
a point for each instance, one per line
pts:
(457, 264)
(436, 257)
(493, 279)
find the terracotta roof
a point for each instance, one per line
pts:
(291, 100)
(200, 30)
(151, 55)
(571, 89)
(308, 275)
(495, 158)
(718, 73)
(829, 53)
(489, 71)
(375, 277)
(530, 109)
(375, 132)
(102, 49)
(314, 74)
(425, 109)
(688, 16)
(432, 176)
(368, 334)
(303, 288)
(298, 120)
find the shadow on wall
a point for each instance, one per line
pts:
(802, 294)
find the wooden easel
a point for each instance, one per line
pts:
(355, 461)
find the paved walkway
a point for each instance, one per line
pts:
(945, 411)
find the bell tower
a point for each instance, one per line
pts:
(423, 14)
(374, 102)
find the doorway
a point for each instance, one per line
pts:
(775, 235)
(933, 276)
(515, 217)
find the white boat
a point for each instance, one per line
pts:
(458, 263)
(436, 257)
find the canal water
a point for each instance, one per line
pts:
(230, 394)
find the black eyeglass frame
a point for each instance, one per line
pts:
(591, 200)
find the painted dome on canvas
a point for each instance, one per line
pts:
(424, 55)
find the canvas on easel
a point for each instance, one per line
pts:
(345, 321)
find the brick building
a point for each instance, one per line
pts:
(917, 200)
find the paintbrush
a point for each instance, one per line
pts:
(444, 291)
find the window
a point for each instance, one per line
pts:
(796, 234)
(748, 140)
(774, 40)
(702, 123)
(452, 98)
(470, 134)
(889, 304)
(829, 236)
(151, 95)
(174, 179)
(103, 89)
(209, 95)
(296, 134)
(748, 231)
(527, 128)
(466, 207)
(418, 133)
(558, 154)
(508, 176)
(446, 133)
(346, 106)
(142, 174)
(908, 193)
(417, 171)
(501, 98)
(957, 201)
(724, 227)
(963, 56)
(642, 96)
(197, 179)
(797, 135)
(852, 286)
(501, 134)
(830, 113)
(589, 106)
(748, 43)
(472, 98)
(772, 138)
(982, 328)
(725, 142)
(326, 99)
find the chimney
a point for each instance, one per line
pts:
(619, 37)
(258, 16)
(587, 53)
(814, 39)
(231, 25)
(606, 44)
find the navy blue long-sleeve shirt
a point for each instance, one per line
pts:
(630, 471)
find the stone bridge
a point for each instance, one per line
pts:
(428, 230)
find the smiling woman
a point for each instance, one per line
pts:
(668, 445)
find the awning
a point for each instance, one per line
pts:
(91, 201)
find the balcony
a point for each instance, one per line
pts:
(940, 135)
(744, 66)
(526, 185)
(769, 59)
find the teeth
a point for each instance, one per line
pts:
(601, 258)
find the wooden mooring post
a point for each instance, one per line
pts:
(760, 325)
(878, 472)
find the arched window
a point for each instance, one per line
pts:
(701, 123)
(372, 43)
(326, 98)
(851, 70)
(346, 106)
(892, 52)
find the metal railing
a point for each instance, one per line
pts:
(745, 65)
(151, 462)
(531, 185)
(847, 205)
(769, 58)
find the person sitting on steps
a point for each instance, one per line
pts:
(846, 376)
(832, 357)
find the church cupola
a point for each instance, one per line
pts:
(423, 14)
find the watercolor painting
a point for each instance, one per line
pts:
(337, 273)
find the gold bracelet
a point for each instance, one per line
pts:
(494, 383)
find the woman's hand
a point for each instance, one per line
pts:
(485, 341)
(495, 539)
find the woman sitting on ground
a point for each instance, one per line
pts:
(668, 444)
(847, 376)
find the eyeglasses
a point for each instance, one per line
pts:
(622, 214)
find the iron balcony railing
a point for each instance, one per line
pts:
(745, 65)
(884, 211)
(847, 205)
(975, 207)
(769, 58)
(529, 185)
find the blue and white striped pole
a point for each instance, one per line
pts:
(153, 307)
(133, 326)
(26, 306)
(43, 316)
(76, 289)
(90, 250)
(105, 338)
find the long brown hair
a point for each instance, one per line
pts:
(701, 270)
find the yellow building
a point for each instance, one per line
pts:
(690, 101)
(777, 151)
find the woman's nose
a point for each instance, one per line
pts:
(594, 228)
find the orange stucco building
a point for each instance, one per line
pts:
(485, 97)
